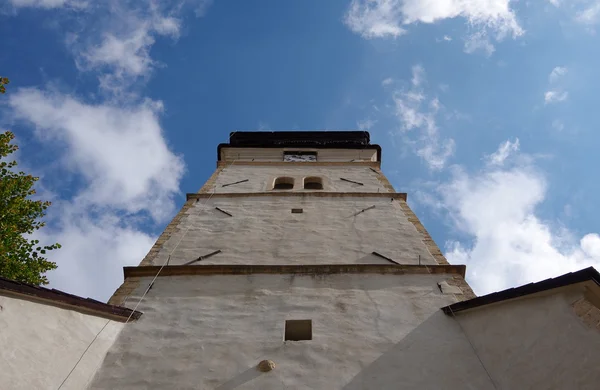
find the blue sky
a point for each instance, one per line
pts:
(486, 111)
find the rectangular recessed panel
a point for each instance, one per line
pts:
(297, 330)
(297, 211)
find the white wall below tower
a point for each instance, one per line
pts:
(370, 332)
(210, 332)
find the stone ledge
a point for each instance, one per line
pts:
(390, 195)
(316, 269)
(227, 163)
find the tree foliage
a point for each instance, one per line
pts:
(3, 82)
(21, 258)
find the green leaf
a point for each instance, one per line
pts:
(21, 258)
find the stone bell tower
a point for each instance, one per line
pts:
(296, 265)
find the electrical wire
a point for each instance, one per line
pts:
(473, 348)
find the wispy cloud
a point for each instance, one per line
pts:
(555, 96)
(557, 73)
(479, 41)
(416, 111)
(590, 15)
(418, 75)
(388, 18)
(508, 243)
(504, 151)
(119, 50)
(375, 18)
(556, 92)
(48, 4)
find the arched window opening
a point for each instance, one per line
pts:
(313, 183)
(283, 183)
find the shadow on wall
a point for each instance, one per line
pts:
(240, 379)
(435, 355)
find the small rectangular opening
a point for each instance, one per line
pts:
(297, 330)
(297, 211)
(299, 156)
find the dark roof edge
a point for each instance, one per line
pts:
(250, 138)
(583, 275)
(304, 145)
(66, 301)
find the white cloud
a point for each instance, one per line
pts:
(479, 41)
(127, 54)
(555, 96)
(556, 93)
(375, 18)
(385, 18)
(508, 244)
(387, 81)
(117, 42)
(94, 250)
(447, 38)
(418, 73)
(557, 73)
(121, 52)
(590, 15)
(128, 173)
(416, 112)
(48, 4)
(120, 151)
(503, 152)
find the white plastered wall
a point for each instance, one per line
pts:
(40, 344)
(263, 230)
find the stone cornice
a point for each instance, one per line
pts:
(389, 195)
(313, 269)
(227, 163)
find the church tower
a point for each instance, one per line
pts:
(296, 265)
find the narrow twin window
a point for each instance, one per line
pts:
(309, 183)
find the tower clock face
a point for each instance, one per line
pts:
(300, 156)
